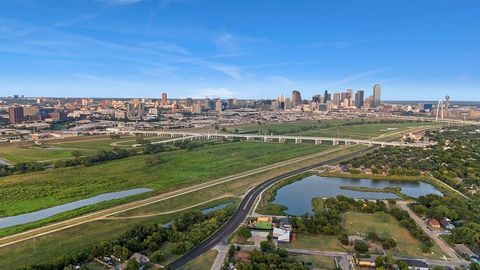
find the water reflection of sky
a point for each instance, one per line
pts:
(44, 213)
(298, 195)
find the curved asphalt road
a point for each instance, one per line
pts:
(242, 211)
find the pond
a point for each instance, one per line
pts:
(48, 212)
(215, 208)
(298, 195)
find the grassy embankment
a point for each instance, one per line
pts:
(394, 190)
(33, 191)
(68, 240)
(202, 262)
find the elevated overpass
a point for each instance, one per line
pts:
(181, 136)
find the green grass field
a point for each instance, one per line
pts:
(365, 131)
(387, 226)
(32, 191)
(54, 150)
(381, 223)
(316, 242)
(331, 128)
(16, 154)
(202, 262)
(316, 261)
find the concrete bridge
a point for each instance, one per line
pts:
(181, 136)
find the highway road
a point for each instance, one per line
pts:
(243, 209)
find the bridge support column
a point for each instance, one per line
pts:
(318, 142)
(348, 143)
(298, 140)
(281, 140)
(335, 142)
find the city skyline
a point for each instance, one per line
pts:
(117, 48)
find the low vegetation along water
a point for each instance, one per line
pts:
(48, 212)
(298, 195)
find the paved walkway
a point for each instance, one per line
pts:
(221, 255)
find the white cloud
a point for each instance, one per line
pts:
(354, 77)
(166, 47)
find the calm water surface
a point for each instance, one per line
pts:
(48, 212)
(298, 195)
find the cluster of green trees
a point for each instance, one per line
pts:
(465, 215)
(185, 232)
(269, 257)
(22, 167)
(100, 156)
(388, 262)
(455, 159)
(406, 221)
(327, 217)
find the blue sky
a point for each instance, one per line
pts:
(247, 49)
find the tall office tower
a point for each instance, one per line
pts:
(288, 104)
(296, 98)
(206, 104)
(377, 91)
(350, 97)
(327, 96)
(336, 99)
(230, 103)
(218, 105)
(189, 102)
(359, 99)
(164, 98)
(15, 114)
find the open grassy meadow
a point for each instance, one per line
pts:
(316, 261)
(316, 242)
(202, 262)
(332, 128)
(365, 131)
(387, 226)
(32, 191)
(62, 149)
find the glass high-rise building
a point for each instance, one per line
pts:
(359, 99)
(377, 91)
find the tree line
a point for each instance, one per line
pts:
(184, 233)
